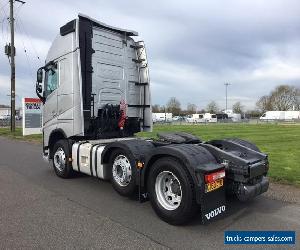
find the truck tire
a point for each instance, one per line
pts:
(61, 164)
(123, 173)
(245, 143)
(171, 191)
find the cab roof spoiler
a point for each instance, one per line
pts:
(71, 26)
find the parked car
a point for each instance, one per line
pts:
(18, 117)
(5, 117)
(178, 118)
(222, 116)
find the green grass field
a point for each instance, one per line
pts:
(18, 135)
(281, 142)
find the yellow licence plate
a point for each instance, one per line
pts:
(213, 185)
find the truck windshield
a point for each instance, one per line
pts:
(51, 80)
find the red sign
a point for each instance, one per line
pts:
(27, 99)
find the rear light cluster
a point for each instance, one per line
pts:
(214, 176)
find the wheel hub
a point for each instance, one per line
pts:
(59, 159)
(168, 190)
(121, 170)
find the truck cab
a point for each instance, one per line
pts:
(95, 83)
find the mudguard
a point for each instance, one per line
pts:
(137, 148)
(199, 162)
(243, 163)
(246, 166)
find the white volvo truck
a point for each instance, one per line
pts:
(96, 96)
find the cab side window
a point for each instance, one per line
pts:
(51, 79)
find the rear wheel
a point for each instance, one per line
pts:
(61, 164)
(123, 172)
(171, 191)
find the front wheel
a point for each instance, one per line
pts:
(171, 191)
(61, 164)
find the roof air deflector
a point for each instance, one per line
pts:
(106, 26)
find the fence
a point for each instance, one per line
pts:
(228, 121)
(6, 123)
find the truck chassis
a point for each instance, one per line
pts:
(178, 173)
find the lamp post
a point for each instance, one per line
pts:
(226, 87)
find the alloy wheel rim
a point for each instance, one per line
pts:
(168, 190)
(59, 159)
(121, 170)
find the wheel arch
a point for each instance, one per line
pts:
(154, 158)
(136, 149)
(160, 153)
(191, 156)
(55, 136)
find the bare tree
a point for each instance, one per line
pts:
(297, 106)
(174, 106)
(191, 108)
(284, 97)
(264, 103)
(212, 107)
(253, 113)
(156, 108)
(237, 108)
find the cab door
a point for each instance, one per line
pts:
(51, 85)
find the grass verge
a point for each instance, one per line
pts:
(280, 142)
(18, 135)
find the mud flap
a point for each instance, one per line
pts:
(213, 205)
(211, 197)
(142, 193)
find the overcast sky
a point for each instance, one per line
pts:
(193, 47)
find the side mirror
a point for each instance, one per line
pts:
(39, 88)
(39, 76)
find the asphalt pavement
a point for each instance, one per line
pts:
(38, 210)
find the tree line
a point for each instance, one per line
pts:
(283, 97)
(174, 106)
